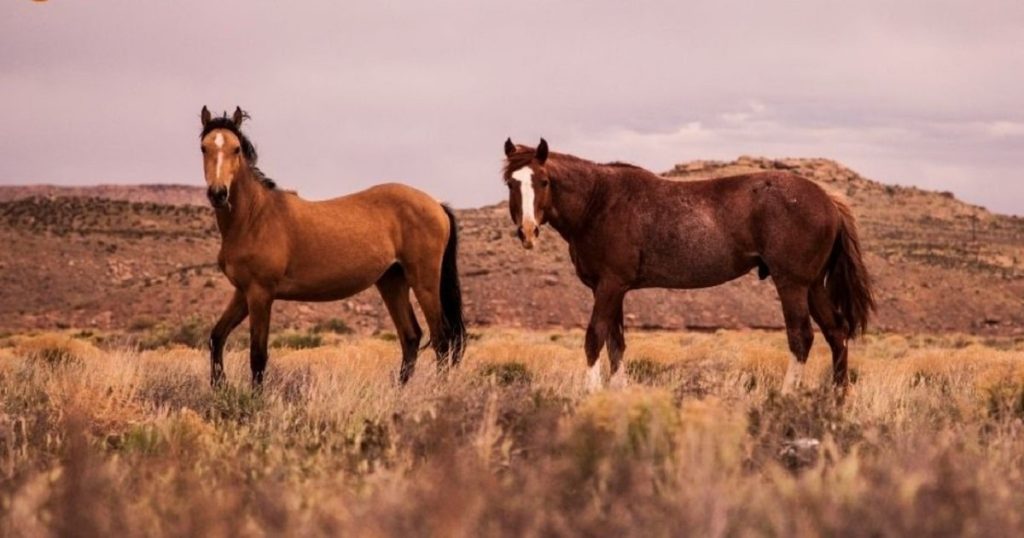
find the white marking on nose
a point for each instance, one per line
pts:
(219, 142)
(525, 177)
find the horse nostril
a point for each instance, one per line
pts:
(217, 196)
(520, 234)
(536, 231)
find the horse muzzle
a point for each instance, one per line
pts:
(527, 234)
(218, 197)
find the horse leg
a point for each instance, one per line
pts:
(830, 322)
(234, 314)
(795, 310)
(394, 289)
(616, 348)
(607, 301)
(260, 302)
(429, 297)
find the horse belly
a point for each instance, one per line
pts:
(330, 278)
(329, 290)
(686, 267)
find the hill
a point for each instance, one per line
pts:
(117, 257)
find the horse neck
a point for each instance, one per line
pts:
(246, 200)
(574, 199)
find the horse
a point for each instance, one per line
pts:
(278, 246)
(628, 228)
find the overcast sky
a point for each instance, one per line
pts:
(347, 94)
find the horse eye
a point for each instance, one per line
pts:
(202, 149)
(238, 150)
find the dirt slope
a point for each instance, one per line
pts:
(117, 256)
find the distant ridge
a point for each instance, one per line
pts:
(118, 256)
(169, 194)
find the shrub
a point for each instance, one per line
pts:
(141, 323)
(386, 336)
(234, 404)
(644, 370)
(333, 325)
(56, 350)
(190, 332)
(1004, 400)
(507, 373)
(636, 423)
(297, 341)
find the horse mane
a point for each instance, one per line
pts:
(561, 162)
(248, 149)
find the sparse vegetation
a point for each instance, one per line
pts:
(133, 253)
(54, 350)
(506, 373)
(332, 325)
(136, 443)
(192, 331)
(297, 340)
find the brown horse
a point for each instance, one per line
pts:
(275, 245)
(628, 228)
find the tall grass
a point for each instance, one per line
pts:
(121, 442)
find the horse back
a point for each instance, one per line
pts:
(687, 234)
(391, 213)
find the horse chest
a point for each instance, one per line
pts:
(242, 269)
(585, 271)
(230, 270)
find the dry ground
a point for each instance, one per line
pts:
(97, 441)
(116, 257)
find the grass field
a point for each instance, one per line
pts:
(98, 441)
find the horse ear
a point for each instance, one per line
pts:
(238, 116)
(510, 148)
(205, 116)
(542, 151)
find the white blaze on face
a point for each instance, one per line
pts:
(525, 177)
(219, 142)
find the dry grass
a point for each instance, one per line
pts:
(136, 443)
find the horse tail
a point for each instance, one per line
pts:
(453, 326)
(846, 277)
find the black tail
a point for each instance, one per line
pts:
(849, 286)
(453, 335)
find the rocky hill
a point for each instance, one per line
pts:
(118, 257)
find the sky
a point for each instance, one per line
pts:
(344, 95)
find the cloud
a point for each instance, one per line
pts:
(1004, 129)
(344, 95)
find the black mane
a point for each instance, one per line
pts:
(248, 149)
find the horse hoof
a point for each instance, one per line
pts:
(619, 380)
(594, 383)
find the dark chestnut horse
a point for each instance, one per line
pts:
(628, 228)
(275, 245)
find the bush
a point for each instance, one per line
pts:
(56, 350)
(141, 323)
(333, 325)
(645, 370)
(1005, 400)
(189, 332)
(507, 373)
(298, 341)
